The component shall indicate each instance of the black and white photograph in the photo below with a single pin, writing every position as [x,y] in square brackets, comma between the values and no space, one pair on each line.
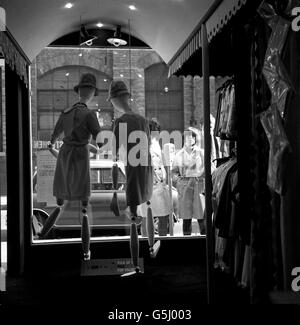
[149,158]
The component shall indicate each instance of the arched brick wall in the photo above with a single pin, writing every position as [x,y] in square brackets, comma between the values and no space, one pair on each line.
[50,59]
[149,59]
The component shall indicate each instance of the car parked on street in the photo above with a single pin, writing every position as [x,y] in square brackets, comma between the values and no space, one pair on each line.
[103,222]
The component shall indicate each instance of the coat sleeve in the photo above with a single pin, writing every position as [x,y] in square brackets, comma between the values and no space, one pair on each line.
[93,124]
[58,129]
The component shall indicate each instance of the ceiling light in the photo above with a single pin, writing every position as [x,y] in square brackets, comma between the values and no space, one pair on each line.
[85,37]
[166,89]
[67,74]
[80,54]
[121,75]
[69,5]
[105,80]
[117,40]
[132,7]
[140,75]
[99,25]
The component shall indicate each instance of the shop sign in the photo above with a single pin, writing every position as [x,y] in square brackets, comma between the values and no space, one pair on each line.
[42,145]
[45,174]
[109,267]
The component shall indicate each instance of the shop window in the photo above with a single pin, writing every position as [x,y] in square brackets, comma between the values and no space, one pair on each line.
[51,93]
[3,180]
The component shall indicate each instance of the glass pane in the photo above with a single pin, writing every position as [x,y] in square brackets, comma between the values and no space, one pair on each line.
[3,181]
[153,96]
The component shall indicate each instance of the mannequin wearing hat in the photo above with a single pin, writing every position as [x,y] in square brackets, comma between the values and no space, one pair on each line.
[78,125]
[188,175]
[139,177]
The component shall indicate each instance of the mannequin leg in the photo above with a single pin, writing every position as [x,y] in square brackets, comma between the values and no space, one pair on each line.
[52,219]
[187,227]
[153,248]
[134,239]
[163,225]
[85,232]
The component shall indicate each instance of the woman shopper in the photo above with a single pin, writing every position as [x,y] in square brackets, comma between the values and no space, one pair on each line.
[188,176]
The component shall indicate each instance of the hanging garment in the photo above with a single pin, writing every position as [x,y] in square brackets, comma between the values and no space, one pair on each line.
[226,120]
[72,173]
[226,204]
[138,166]
[274,70]
[279,144]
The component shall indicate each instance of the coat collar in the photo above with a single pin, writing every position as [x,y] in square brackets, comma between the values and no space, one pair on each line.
[77,105]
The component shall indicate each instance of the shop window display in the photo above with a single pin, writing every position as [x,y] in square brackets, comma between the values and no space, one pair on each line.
[54,93]
[3,181]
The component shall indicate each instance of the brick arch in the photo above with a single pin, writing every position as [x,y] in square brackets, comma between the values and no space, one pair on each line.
[148,60]
[90,69]
[61,58]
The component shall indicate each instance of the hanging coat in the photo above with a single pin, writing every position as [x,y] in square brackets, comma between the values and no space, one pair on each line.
[72,173]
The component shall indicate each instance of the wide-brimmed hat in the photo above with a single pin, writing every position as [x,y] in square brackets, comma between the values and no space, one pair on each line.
[87,79]
[116,89]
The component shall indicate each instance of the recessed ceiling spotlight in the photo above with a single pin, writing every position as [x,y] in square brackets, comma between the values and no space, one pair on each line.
[105,80]
[140,76]
[69,5]
[132,7]
[121,75]
[80,54]
[99,25]
[131,99]
[67,74]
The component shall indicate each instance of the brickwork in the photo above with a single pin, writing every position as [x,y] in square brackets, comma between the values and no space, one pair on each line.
[193,99]
[116,64]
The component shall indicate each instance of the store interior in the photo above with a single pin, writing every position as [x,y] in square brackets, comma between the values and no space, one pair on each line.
[229,75]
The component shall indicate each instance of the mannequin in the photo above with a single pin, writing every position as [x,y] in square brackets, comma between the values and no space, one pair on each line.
[72,173]
[139,175]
